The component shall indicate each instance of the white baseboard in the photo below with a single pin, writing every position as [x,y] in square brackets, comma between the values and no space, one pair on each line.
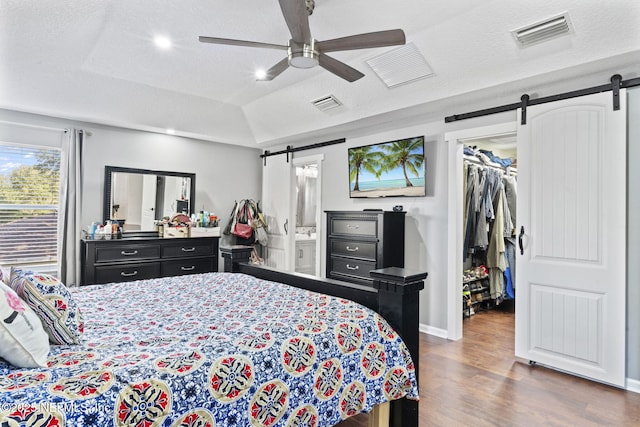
[430,330]
[633,385]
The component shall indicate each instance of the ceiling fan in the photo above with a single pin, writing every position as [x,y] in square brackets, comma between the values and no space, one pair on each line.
[303,51]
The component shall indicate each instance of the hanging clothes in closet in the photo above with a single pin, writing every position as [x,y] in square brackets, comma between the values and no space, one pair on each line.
[489,220]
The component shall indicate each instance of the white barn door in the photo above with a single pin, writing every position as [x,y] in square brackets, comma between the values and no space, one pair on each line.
[277,177]
[570,296]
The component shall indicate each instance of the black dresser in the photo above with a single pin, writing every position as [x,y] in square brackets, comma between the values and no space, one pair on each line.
[126,259]
[361,241]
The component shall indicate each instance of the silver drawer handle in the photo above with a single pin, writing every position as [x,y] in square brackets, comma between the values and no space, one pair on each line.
[193,267]
[123,274]
[352,249]
[352,268]
[129,253]
[188,249]
[353,226]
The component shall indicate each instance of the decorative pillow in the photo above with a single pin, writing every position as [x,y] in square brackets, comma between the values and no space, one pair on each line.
[15,279]
[52,302]
[23,341]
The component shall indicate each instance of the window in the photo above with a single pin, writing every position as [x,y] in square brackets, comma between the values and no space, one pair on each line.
[29,204]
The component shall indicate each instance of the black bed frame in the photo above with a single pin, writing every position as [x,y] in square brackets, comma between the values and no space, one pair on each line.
[394,296]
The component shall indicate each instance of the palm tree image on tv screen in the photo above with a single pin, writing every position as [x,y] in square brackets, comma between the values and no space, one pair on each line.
[388,169]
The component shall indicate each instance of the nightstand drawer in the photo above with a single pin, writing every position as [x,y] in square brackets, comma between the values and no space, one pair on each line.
[354,227]
[127,272]
[351,267]
[111,253]
[187,248]
[353,248]
[187,266]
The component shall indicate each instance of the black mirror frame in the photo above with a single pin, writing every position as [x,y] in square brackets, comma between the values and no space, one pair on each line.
[109,170]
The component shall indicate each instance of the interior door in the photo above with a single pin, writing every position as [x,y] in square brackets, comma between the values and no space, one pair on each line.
[277,177]
[570,302]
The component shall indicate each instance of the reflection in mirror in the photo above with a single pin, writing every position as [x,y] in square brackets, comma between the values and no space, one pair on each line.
[306,188]
[138,197]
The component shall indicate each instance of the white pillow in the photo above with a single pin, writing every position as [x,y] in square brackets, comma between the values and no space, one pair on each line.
[23,341]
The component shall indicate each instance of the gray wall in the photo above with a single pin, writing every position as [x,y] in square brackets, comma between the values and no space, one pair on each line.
[224,173]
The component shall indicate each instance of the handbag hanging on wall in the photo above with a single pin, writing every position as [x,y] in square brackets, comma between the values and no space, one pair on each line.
[243,228]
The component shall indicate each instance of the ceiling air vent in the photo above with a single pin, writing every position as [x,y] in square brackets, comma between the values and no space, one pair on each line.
[544,30]
[401,65]
[326,103]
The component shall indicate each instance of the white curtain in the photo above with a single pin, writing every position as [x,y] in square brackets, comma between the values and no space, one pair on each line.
[69,223]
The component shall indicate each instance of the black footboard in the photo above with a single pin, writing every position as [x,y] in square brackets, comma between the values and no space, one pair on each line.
[394,295]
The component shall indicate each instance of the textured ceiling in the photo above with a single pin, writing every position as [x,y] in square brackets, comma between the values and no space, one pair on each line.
[95,61]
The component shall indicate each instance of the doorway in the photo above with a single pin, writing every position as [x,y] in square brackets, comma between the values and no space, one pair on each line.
[455,267]
[489,225]
[307,200]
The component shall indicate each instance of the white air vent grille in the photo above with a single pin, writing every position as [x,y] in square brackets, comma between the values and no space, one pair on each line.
[326,103]
[401,65]
[544,30]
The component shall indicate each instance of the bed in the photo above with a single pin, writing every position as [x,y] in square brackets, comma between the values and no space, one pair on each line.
[215,349]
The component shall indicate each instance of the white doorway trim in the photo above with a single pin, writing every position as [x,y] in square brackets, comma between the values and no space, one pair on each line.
[316,159]
[455,206]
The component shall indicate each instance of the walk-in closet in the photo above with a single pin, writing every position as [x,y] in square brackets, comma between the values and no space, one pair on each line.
[489,225]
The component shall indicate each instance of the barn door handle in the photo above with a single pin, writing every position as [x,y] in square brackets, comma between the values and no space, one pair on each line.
[520,240]
[286,226]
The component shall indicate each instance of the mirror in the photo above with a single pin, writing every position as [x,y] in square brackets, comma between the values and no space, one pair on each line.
[138,197]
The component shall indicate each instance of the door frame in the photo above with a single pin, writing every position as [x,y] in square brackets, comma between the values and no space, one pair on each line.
[455,206]
[316,159]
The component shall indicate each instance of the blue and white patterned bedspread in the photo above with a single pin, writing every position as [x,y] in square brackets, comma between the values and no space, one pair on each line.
[215,349]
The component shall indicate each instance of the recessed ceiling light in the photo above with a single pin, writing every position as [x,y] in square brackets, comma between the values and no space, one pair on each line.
[162,42]
[261,74]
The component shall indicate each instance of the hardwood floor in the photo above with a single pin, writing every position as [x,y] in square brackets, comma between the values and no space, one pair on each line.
[476,381]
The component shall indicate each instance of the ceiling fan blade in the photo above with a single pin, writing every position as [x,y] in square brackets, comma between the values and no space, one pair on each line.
[233,42]
[276,70]
[338,68]
[297,18]
[363,41]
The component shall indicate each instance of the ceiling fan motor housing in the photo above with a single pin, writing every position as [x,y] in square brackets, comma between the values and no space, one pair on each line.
[302,55]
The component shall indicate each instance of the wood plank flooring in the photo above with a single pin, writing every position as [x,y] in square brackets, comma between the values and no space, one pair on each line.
[476,381]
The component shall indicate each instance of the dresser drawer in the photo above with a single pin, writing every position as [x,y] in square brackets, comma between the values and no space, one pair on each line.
[353,248]
[354,227]
[351,267]
[187,248]
[127,272]
[187,266]
[111,253]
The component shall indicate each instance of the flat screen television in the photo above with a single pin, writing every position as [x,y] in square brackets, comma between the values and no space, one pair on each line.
[388,169]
